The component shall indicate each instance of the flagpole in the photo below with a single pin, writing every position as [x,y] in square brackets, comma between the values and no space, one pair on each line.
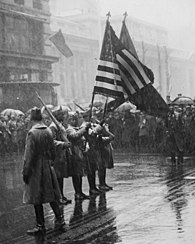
[125,16]
[92,100]
[105,108]
[112,56]
[108,22]
[93,94]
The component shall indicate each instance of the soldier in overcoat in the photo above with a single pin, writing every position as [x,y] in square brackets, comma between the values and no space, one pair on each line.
[92,152]
[99,154]
[78,161]
[106,151]
[41,184]
[175,134]
[61,162]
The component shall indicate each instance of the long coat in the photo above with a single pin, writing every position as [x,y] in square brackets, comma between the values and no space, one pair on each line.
[106,152]
[78,160]
[175,138]
[61,162]
[38,156]
[99,154]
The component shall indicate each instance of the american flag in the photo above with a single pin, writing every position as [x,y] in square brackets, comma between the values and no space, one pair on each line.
[108,79]
[138,78]
[119,71]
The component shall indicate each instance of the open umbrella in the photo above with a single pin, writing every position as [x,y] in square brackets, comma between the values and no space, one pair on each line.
[10,112]
[61,107]
[49,106]
[125,106]
[98,104]
[182,100]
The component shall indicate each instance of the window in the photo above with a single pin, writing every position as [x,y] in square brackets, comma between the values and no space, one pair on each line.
[21,2]
[37,4]
[23,35]
[16,34]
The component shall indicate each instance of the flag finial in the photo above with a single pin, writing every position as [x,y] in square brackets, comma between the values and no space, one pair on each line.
[125,15]
[108,15]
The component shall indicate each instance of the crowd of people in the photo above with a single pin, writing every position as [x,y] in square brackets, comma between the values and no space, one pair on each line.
[134,131]
[13,131]
[142,133]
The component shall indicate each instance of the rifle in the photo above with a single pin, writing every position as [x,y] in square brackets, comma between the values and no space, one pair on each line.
[59,126]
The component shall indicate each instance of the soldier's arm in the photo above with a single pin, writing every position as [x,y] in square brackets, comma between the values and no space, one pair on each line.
[73,134]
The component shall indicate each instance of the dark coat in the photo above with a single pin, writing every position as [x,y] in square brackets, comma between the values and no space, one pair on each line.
[93,153]
[61,162]
[175,136]
[106,152]
[99,154]
[39,153]
[78,160]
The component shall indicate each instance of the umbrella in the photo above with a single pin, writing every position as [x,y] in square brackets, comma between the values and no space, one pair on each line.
[125,106]
[98,104]
[61,107]
[182,100]
[49,106]
[10,112]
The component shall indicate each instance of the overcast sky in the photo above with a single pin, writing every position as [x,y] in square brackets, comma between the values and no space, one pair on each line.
[177,16]
[168,13]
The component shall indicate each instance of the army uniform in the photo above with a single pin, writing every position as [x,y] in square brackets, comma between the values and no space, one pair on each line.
[78,161]
[175,135]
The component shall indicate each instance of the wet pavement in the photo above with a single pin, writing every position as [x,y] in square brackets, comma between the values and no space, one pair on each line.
[153,201]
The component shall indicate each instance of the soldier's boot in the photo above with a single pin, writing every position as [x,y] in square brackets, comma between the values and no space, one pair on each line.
[64,200]
[77,183]
[93,191]
[59,216]
[40,227]
[173,157]
[180,157]
[102,181]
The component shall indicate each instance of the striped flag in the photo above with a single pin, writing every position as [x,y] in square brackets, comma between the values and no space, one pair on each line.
[108,78]
[132,72]
[138,78]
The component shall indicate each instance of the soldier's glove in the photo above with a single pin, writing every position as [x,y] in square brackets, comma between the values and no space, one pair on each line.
[66,145]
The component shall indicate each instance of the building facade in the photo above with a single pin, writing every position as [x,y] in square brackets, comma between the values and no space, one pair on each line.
[76,74]
[174,70]
[26,58]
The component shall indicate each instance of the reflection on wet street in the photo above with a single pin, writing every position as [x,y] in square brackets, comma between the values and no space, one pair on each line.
[153,201]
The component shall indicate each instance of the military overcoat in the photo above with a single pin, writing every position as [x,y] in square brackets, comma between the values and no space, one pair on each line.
[62,161]
[38,156]
[78,160]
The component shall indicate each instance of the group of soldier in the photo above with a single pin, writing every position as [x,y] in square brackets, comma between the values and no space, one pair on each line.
[51,154]
[180,128]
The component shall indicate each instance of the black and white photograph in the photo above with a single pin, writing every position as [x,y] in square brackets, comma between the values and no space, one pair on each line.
[97,121]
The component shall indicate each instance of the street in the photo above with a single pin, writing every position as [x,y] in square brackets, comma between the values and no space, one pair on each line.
[153,201]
